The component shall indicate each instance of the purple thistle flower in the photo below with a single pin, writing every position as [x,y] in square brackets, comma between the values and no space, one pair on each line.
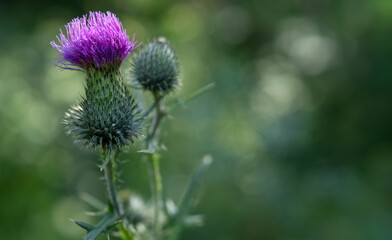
[95,41]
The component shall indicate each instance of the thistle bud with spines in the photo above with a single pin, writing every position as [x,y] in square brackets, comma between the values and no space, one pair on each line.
[155,67]
[107,115]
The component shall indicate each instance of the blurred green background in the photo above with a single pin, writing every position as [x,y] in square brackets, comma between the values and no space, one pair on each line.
[299,123]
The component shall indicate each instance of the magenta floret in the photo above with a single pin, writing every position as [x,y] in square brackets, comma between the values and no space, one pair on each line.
[95,41]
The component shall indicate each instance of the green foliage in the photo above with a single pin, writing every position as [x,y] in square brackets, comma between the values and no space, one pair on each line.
[298,123]
[104,226]
[181,219]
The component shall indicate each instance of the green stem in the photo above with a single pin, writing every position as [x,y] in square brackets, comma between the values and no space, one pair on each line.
[109,170]
[156,191]
[154,170]
[157,119]
[110,173]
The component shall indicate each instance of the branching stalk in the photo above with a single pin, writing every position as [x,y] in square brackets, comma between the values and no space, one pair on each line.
[157,118]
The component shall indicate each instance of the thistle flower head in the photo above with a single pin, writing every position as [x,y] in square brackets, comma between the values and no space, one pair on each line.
[95,41]
[155,67]
[106,116]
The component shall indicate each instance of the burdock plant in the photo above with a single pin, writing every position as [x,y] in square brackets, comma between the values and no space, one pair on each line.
[109,119]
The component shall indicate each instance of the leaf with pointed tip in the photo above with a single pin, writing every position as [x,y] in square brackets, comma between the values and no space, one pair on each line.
[190,192]
[92,201]
[197,93]
[85,226]
[104,226]
[180,218]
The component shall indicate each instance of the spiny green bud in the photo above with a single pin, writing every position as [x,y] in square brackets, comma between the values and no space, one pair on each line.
[106,114]
[155,67]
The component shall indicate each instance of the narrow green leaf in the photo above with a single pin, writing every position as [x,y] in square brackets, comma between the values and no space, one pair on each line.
[104,226]
[147,112]
[188,196]
[197,93]
[85,226]
[92,201]
[192,187]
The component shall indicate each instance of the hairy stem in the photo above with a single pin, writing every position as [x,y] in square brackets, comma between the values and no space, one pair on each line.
[110,173]
[110,177]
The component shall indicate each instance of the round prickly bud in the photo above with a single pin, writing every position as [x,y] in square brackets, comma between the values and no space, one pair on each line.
[155,67]
[106,116]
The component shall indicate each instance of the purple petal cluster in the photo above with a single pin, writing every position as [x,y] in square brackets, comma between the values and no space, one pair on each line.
[95,41]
